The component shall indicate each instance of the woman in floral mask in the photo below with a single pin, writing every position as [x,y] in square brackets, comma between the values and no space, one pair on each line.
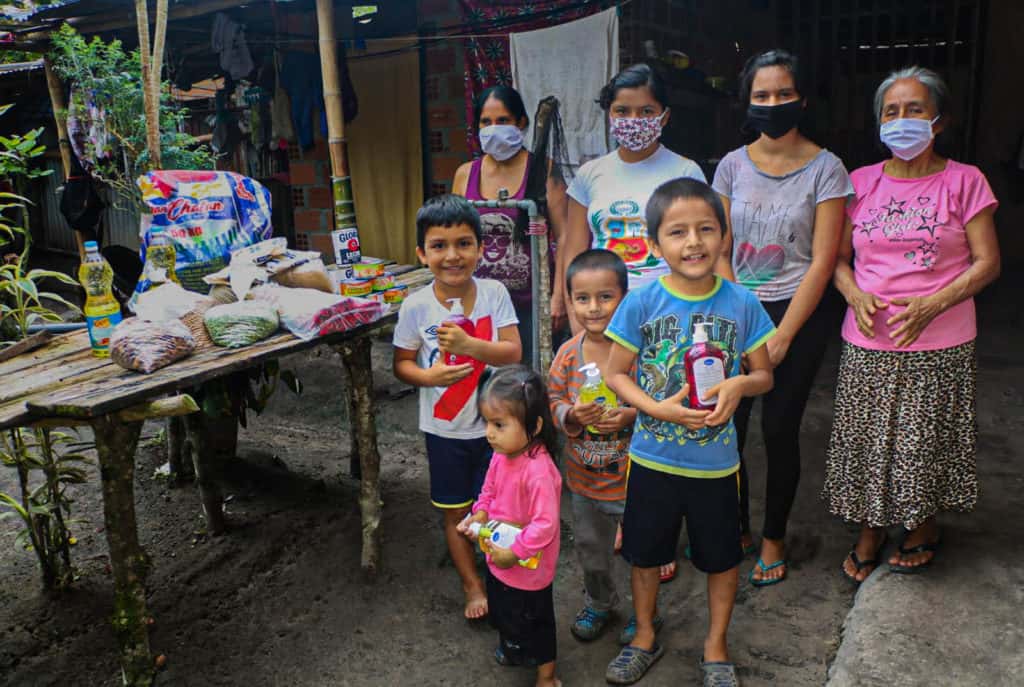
[784,196]
[608,197]
[501,120]
[922,239]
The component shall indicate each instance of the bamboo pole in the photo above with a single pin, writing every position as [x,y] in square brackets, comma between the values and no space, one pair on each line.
[156,69]
[341,181]
[60,117]
[146,58]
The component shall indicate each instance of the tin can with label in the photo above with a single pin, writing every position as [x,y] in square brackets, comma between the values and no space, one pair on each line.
[356,287]
[346,246]
[384,282]
[396,294]
[368,270]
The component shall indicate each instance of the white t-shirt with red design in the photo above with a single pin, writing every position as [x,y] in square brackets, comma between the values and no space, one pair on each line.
[418,319]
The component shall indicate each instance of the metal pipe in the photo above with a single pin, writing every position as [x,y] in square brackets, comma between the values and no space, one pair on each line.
[540,279]
[60,328]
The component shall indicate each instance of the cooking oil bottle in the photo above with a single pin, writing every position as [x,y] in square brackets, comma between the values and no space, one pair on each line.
[102,311]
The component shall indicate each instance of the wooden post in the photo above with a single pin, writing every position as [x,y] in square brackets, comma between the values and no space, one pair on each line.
[179,455]
[115,443]
[355,355]
[152,65]
[60,117]
[341,181]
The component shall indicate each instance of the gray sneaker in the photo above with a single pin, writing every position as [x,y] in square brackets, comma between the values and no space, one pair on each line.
[631,664]
[589,624]
[718,673]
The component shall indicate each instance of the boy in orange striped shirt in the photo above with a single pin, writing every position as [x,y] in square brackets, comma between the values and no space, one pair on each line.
[598,438]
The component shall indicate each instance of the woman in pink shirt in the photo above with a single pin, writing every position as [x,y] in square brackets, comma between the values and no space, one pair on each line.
[922,240]
[522,488]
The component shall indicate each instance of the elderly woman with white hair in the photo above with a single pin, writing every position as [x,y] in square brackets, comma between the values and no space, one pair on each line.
[922,240]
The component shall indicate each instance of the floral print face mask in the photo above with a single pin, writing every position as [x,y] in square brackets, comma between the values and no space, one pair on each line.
[636,133]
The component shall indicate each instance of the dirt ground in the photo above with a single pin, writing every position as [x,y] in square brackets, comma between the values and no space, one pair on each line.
[280,600]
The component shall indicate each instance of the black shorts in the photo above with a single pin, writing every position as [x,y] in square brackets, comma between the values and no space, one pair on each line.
[457,469]
[657,502]
[525,621]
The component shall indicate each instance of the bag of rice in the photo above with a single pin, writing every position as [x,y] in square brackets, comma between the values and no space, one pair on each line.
[240,324]
[145,346]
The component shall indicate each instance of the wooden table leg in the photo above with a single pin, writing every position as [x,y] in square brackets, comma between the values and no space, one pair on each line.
[206,463]
[179,456]
[116,441]
[355,355]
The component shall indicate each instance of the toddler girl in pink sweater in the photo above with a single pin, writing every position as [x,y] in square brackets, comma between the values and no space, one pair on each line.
[522,488]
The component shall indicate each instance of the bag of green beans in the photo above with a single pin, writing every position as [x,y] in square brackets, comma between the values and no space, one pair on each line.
[240,324]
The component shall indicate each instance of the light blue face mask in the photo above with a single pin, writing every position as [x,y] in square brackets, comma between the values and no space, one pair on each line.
[907,137]
[501,141]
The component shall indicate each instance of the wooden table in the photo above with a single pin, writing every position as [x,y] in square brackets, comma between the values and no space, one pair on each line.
[63,384]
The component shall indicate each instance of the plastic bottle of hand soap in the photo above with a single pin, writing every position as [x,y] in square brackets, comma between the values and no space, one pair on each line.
[594,390]
[502,534]
[457,317]
[705,367]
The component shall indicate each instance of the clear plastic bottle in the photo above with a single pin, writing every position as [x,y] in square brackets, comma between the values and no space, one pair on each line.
[705,368]
[594,390]
[102,311]
[161,256]
[502,534]
[457,317]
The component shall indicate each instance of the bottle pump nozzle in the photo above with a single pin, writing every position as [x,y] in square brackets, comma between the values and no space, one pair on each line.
[700,332]
[590,370]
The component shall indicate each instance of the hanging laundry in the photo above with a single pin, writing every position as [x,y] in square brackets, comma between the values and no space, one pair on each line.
[301,78]
[87,129]
[228,39]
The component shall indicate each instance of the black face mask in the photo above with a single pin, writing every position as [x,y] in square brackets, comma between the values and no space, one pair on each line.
[775,121]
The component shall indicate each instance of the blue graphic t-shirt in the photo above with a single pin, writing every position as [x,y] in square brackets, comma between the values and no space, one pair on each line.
[657,324]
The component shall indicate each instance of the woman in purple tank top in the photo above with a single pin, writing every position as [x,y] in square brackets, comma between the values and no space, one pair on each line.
[501,119]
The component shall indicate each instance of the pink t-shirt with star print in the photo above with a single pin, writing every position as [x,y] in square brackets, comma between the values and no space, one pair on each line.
[909,239]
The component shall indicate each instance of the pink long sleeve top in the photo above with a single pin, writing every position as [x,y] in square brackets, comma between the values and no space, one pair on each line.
[525,491]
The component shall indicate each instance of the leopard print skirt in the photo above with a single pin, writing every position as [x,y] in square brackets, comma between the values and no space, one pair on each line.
[904,434]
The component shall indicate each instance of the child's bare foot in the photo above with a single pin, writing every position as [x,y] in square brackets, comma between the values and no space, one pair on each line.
[476,604]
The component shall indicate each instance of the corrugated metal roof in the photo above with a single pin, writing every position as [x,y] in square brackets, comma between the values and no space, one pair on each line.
[16,67]
[24,11]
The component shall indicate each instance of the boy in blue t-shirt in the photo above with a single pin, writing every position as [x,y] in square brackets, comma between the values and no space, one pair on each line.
[684,462]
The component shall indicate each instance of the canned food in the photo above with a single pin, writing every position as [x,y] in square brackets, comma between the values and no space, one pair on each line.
[396,294]
[384,282]
[356,287]
[376,296]
[368,270]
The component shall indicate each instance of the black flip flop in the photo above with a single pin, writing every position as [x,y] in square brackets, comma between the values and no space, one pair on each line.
[932,547]
[859,565]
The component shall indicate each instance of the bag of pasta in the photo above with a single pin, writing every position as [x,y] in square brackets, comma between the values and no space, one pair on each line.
[146,346]
[240,324]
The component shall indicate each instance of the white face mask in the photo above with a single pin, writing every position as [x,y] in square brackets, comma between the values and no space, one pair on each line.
[907,137]
[501,141]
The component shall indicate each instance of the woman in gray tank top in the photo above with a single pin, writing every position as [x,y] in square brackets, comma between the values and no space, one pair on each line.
[784,196]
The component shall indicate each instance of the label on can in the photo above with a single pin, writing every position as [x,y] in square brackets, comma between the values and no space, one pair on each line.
[346,246]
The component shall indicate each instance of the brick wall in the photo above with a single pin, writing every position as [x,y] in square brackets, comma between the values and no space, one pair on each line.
[443,93]
[310,178]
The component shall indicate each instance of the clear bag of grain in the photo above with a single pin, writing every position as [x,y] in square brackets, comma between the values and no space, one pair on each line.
[240,324]
[146,346]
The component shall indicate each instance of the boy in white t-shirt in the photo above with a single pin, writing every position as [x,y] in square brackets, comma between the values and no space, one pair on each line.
[448,243]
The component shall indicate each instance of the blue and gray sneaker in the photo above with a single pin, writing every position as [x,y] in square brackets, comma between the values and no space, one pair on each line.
[589,623]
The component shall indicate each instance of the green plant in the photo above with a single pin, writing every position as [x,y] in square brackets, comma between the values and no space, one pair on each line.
[107,89]
[21,299]
[43,504]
